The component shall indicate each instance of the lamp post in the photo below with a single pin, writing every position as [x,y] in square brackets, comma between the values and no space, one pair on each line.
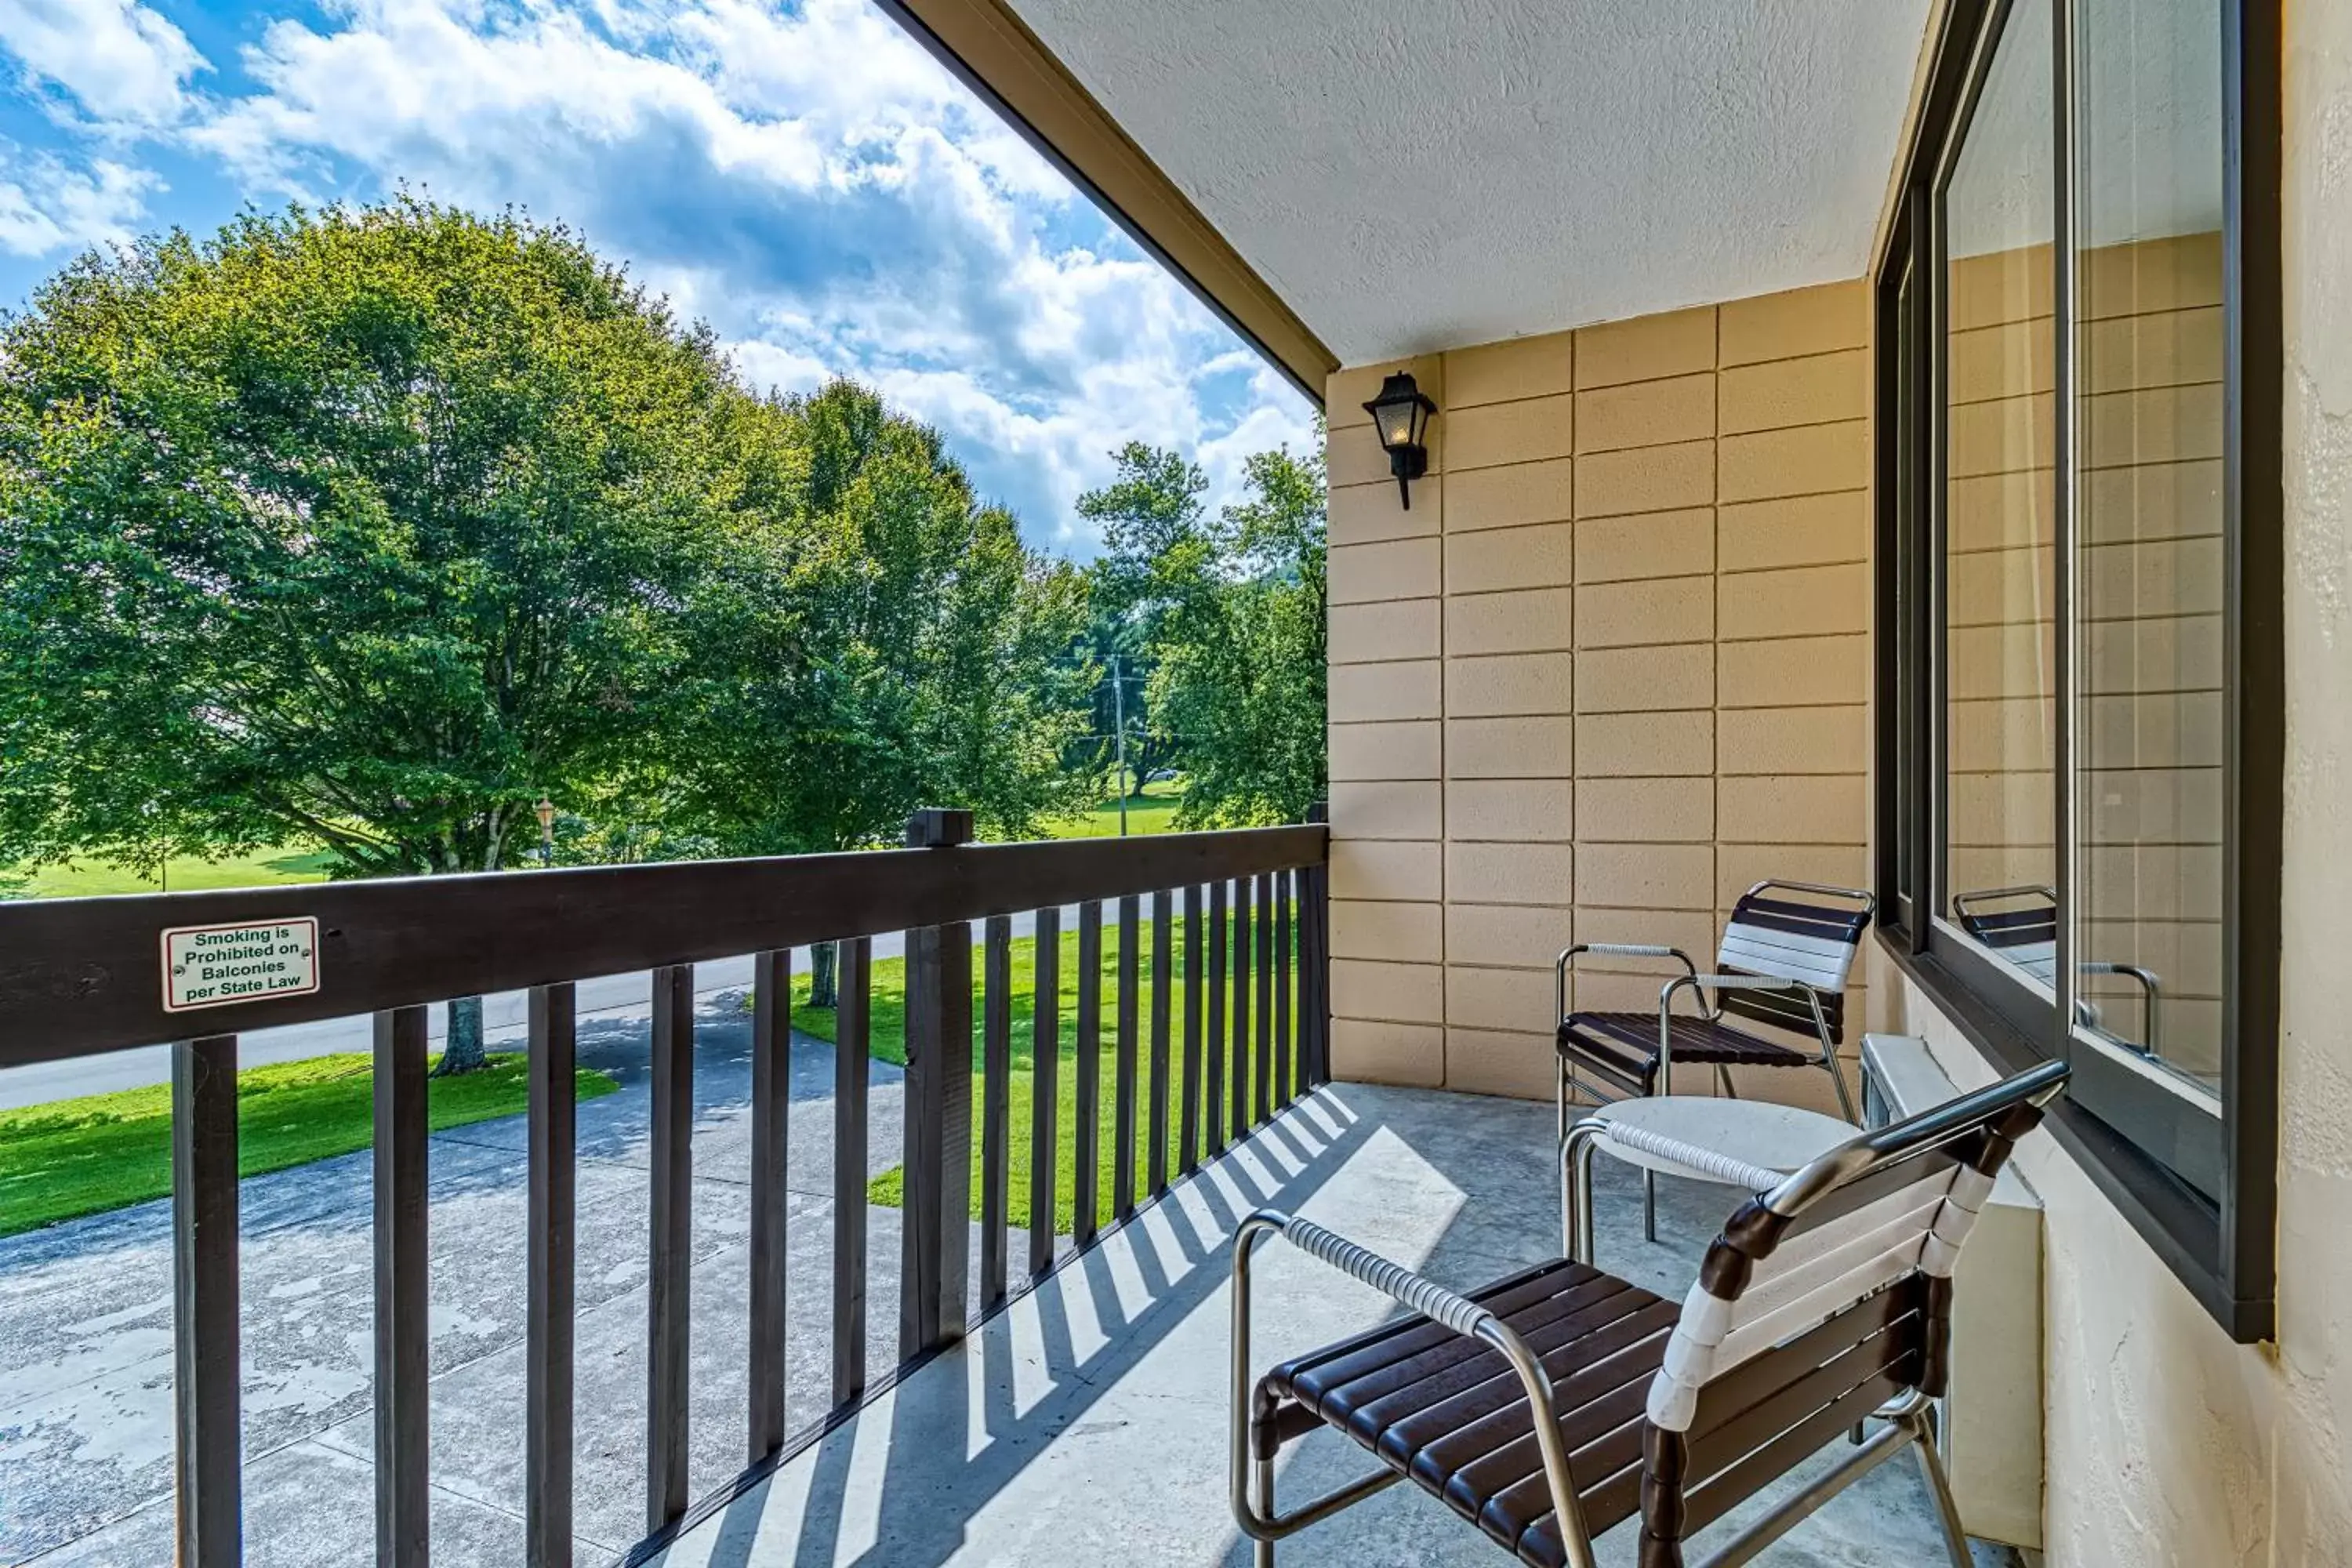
[1118,723]
[546,809]
[1401,415]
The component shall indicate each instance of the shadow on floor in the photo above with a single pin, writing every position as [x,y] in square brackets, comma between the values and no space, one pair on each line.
[1087,1423]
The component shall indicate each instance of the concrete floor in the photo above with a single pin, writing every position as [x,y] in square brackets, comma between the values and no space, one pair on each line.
[1087,1424]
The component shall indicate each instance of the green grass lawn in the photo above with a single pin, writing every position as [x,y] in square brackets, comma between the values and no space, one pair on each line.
[263,867]
[888,1042]
[1150,810]
[75,1157]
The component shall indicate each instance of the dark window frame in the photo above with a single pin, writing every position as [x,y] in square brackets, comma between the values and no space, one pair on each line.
[2209,1209]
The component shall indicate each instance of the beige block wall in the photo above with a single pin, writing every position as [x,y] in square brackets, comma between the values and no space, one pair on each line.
[1609,669]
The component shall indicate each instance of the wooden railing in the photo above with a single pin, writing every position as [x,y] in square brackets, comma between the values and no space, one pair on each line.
[82,977]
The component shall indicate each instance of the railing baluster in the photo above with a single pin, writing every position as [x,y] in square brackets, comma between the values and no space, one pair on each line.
[1157,1161]
[553,1137]
[1189,1111]
[1314,963]
[1285,1040]
[852,1043]
[1212,1093]
[1087,1152]
[1044,1082]
[1263,1080]
[772,1097]
[996,1108]
[669,1311]
[1239,1083]
[402,1393]
[206,1401]
[935,1236]
[1122,1175]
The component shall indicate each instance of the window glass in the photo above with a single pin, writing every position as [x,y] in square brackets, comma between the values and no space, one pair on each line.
[2001,645]
[2147,534]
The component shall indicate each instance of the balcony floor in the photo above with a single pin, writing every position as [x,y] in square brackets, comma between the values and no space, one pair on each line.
[1087,1424]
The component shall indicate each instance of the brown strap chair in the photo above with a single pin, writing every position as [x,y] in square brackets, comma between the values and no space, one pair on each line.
[1786,953]
[1552,1405]
[1787,950]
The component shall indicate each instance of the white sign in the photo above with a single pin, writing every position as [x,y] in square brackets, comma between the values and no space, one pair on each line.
[207,966]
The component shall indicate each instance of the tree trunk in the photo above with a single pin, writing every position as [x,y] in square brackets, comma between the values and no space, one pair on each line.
[824,969]
[464,1050]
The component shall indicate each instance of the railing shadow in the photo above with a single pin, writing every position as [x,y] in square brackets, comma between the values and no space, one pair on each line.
[925,1503]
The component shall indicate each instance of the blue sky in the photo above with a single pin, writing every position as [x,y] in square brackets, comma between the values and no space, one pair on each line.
[802,176]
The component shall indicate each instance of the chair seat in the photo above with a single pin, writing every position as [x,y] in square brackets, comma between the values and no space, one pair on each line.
[1448,1413]
[1624,1046]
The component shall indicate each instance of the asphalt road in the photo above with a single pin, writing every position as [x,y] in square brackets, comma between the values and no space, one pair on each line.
[503,1018]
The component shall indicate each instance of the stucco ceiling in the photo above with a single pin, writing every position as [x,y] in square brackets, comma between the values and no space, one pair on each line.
[1412,174]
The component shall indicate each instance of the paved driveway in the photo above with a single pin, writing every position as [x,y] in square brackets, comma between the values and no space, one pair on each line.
[86,1329]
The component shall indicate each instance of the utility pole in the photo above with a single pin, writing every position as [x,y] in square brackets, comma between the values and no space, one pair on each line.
[1118,723]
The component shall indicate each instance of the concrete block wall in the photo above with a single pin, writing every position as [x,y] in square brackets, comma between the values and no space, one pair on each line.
[1609,669]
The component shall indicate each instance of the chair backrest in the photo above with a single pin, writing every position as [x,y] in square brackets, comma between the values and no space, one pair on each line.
[2020,924]
[1829,1294]
[1794,931]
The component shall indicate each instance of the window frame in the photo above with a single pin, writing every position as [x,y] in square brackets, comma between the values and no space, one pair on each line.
[2209,1206]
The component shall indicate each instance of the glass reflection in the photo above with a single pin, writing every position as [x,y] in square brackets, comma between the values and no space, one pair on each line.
[2147,550]
[1999,497]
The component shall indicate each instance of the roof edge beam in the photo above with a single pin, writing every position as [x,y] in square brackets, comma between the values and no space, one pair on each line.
[994,52]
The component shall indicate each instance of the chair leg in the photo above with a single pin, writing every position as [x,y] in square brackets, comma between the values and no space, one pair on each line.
[1722,1082]
[1939,1486]
[1560,1096]
[1264,1556]
[1649,1206]
[1845,1101]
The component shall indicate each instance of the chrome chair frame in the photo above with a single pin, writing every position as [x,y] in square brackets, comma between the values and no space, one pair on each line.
[1703,987]
[1909,1417]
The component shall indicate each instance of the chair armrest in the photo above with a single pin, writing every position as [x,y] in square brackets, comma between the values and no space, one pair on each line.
[1567,961]
[1432,1301]
[1726,1168]
[1394,1281]
[2146,979]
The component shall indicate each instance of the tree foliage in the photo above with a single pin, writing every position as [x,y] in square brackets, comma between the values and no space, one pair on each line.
[360,528]
[1231,611]
[370,527]
[873,640]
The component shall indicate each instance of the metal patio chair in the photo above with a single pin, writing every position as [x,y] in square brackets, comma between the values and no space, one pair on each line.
[2019,925]
[1552,1405]
[1786,953]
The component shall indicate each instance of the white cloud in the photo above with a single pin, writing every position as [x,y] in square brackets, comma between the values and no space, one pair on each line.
[811,181]
[47,206]
[808,180]
[125,63]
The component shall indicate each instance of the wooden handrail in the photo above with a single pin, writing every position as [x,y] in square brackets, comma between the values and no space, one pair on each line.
[81,977]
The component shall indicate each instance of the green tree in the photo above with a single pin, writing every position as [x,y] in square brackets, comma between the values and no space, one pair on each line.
[873,640]
[1232,610]
[1152,520]
[360,528]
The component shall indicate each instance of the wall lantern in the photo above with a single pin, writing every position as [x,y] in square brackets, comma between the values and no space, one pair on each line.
[1400,414]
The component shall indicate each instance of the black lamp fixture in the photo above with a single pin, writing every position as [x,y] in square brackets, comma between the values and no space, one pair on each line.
[1400,414]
